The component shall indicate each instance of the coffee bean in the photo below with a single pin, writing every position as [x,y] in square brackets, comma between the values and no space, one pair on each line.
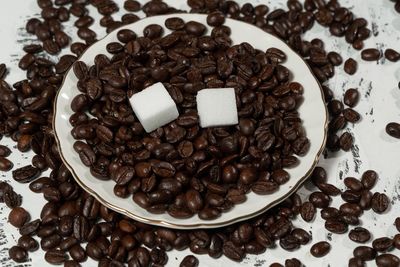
[351,97]
[336,226]
[25,174]
[328,189]
[379,202]
[353,184]
[319,200]
[132,5]
[289,243]
[189,261]
[359,235]
[293,263]
[368,179]
[350,66]
[392,55]
[4,151]
[397,223]
[232,252]
[382,244]
[387,260]
[71,263]
[5,164]
[18,254]
[28,243]
[30,228]
[370,54]
[356,262]
[215,19]
[55,256]
[364,253]
[307,211]
[12,199]
[335,58]
[351,115]
[18,217]
[393,129]
[320,249]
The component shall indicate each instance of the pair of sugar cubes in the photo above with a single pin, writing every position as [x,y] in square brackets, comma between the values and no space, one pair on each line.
[154,107]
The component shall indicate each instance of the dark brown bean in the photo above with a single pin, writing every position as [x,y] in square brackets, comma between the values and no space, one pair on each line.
[393,129]
[370,54]
[320,249]
[350,66]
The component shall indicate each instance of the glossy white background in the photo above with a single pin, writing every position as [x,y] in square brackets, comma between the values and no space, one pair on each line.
[380,103]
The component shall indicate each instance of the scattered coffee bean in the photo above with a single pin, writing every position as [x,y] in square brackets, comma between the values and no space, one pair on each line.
[359,235]
[393,129]
[351,97]
[189,261]
[350,66]
[320,249]
[364,253]
[387,260]
[18,254]
[392,55]
[18,217]
[379,202]
[370,54]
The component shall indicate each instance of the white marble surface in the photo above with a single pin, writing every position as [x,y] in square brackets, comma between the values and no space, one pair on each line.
[373,149]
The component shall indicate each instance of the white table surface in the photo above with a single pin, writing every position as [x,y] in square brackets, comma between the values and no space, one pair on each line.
[373,149]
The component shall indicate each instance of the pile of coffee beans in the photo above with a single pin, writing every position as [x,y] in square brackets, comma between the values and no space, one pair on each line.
[181,168]
[74,226]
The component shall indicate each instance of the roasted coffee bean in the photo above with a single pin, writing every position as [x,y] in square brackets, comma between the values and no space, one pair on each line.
[393,129]
[396,241]
[359,235]
[215,19]
[25,174]
[5,164]
[307,211]
[30,228]
[195,28]
[320,249]
[289,243]
[397,223]
[364,253]
[392,55]
[379,202]
[351,115]
[382,244]
[353,184]
[55,256]
[350,209]
[4,151]
[189,261]
[319,200]
[18,254]
[350,66]
[335,58]
[329,213]
[351,196]
[387,260]
[71,263]
[28,243]
[368,179]
[132,5]
[232,252]
[328,189]
[370,54]
[336,226]
[293,263]
[356,262]
[18,217]
[351,97]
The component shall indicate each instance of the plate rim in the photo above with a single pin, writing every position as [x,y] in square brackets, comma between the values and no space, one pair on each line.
[196,225]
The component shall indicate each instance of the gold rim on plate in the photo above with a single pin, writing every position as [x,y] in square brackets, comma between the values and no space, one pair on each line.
[197,225]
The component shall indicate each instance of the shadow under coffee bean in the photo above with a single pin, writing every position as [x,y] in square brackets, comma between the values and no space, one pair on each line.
[181,168]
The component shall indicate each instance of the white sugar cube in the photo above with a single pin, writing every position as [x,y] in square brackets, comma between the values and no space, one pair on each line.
[154,107]
[217,107]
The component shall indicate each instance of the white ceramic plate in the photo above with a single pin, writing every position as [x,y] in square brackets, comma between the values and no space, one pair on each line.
[313,113]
